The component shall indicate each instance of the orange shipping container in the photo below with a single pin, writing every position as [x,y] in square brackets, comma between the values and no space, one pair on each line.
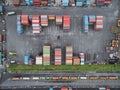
[25,20]
[64,88]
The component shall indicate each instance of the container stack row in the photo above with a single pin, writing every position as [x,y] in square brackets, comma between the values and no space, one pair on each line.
[58,20]
[46,55]
[96,21]
[39,60]
[44,20]
[69,55]
[76,60]
[99,23]
[66,22]
[58,56]
[36,24]
[19,26]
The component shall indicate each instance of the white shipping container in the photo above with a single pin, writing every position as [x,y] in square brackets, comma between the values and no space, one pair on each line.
[83,78]
[26,78]
[35,78]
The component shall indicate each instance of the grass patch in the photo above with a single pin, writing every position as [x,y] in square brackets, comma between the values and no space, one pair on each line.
[63,68]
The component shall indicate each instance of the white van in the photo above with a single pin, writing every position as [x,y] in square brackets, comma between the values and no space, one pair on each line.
[10,13]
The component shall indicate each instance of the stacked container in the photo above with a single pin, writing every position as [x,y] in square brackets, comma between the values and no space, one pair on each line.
[108,1]
[88,2]
[36,2]
[51,2]
[66,22]
[19,26]
[38,60]
[58,20]
[26,59]
[29,2]
[72,2]
[44,20]
[76,60]
[99,23]
[25,20]
[0,57]
[85,23]
[82,58]
[51,17]
[92,18]
[46,55]
[16,2]
[58,56]
[79,2]
[36,24]
[69,55]
[44,2]
[65,2]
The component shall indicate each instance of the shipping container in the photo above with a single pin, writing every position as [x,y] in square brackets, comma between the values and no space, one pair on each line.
[35,78]
[44,20]
[25,20]
[46,55]
[15,78]
[26,78]
[79,2]
[51,88]
[71,2]
[51,17]
[65,78]
[36,2]
[59,20]
[82,58]
[36,24]
[85,23]
[93,77]
[64,88]
[1,9]
[103,77]
[112,77]
[26,59]
[66,22]
[44,2]
[39,60]
[65,2]
[55,78]
[69,55]
[76,60]
[0,57]
[1,37]
[58,56]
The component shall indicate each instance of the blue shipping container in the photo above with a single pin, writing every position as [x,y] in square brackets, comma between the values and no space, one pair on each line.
[26,59]
[1,8]
[50,88]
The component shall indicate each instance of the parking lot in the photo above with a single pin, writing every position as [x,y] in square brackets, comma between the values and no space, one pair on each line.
[93,42]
